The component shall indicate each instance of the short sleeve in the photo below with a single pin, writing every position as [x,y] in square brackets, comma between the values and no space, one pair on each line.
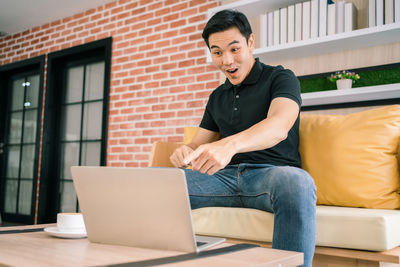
[286,84]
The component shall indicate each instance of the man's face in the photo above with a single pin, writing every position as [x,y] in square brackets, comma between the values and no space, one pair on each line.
[232,54]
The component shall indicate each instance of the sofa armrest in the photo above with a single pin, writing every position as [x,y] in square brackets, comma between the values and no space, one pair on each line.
[161,152]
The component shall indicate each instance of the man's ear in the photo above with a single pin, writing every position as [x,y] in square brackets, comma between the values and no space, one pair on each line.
[251,41]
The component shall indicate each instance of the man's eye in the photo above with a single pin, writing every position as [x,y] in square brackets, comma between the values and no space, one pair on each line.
[235,49]
[217,53]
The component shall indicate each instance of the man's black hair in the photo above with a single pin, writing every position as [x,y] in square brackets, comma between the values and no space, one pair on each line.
[224,20]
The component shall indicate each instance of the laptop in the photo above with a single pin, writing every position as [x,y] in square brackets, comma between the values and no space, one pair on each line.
[138,207]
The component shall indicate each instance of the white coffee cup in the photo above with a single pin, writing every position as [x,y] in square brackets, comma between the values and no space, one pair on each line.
[70,222]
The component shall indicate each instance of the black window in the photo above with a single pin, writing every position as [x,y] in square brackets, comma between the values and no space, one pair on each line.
[20,122]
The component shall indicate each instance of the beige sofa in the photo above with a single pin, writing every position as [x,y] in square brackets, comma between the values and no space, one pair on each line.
[358,206]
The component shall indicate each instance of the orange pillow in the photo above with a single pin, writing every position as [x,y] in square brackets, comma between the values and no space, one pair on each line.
[353,158]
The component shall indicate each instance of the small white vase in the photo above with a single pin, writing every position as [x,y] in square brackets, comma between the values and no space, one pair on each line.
[344,84]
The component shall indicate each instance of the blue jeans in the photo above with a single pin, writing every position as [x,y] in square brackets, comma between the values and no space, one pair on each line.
[288,192]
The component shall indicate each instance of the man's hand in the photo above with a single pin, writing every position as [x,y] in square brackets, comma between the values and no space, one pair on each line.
[179,154]
[210,158]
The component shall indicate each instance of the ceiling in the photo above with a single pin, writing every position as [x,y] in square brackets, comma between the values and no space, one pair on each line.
[20,15]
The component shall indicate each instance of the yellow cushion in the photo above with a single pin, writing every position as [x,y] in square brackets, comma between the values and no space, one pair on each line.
[189,133]
[353,158]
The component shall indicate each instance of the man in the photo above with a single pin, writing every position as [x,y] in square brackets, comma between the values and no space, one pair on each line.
[245,153]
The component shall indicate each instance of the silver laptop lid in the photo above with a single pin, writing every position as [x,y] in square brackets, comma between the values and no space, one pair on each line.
[140,207]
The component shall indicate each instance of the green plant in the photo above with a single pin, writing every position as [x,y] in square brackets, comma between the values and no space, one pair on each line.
[341,75]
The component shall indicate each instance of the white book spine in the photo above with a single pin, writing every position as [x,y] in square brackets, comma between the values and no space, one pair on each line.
[371,13]
[290,24]
[298,27]
[314,18]
[283,26]
[263,30]
[389,11]
[276,27]
[270,40]
[396,10]
[379,12]
[323,10]
[350,17]
[340,17]
[306,20]
[331,19]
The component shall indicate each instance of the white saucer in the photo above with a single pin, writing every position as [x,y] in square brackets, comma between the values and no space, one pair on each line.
[53,231]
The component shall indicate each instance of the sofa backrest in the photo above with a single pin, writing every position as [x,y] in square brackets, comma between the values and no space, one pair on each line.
[353,158]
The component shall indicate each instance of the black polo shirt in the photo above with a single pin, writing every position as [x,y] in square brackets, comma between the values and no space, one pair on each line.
[232,109]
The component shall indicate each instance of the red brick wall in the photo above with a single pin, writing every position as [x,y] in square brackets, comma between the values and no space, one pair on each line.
[160,80]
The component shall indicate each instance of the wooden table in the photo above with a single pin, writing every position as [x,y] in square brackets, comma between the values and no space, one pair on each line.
[40,249]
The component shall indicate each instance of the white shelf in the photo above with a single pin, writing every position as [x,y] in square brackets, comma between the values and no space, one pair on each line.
[362,38]
[379,92]
[380,35]
[253,8]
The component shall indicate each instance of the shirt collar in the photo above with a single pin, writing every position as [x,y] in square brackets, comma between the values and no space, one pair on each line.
[253,76]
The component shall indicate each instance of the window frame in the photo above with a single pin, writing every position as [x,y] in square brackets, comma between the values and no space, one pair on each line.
[49,198]
[8,72]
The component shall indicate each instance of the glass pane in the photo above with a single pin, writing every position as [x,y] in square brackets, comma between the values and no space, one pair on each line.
[69,157]
[71,122]
[91,154]
[94,81]
[68,197]
[10,204]
[15,128]
[74,84]
[32,92]
[13,162]
[18,94]
[30,126]
[25,197]
[92,120]
[27,162]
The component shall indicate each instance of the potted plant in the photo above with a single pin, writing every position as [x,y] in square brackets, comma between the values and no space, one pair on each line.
[344,79]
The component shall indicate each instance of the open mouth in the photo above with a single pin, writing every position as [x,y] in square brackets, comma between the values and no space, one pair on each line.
[232,71]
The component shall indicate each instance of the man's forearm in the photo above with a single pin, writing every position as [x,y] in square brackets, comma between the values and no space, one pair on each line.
[262,135]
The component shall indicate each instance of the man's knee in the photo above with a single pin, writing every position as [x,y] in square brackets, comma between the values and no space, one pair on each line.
[294,183]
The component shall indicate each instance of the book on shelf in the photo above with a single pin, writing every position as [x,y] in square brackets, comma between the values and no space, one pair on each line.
[314,18]
[270,36]
[380,12]
[371,13]
[306,20]
[389,11]
[263,30]
[350,17]
[323,10]
[396,10]
[340,16]
[331,19]
[276,27]
[298,18]
[283,25]
[291,25]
